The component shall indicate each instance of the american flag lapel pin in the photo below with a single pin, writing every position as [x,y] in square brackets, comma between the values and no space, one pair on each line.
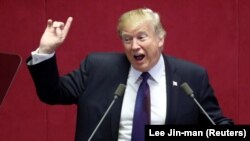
[175,83]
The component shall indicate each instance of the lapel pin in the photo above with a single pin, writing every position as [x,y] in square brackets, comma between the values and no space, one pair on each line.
[175,83]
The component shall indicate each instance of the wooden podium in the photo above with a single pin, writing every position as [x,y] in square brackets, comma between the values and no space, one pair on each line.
[9,64]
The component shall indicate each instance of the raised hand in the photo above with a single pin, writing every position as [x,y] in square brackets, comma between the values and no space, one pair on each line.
[54,35]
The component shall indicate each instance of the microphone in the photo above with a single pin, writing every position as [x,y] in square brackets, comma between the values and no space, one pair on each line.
[118,92]
[190,93]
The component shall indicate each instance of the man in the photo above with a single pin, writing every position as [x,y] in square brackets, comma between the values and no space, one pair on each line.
[91,87]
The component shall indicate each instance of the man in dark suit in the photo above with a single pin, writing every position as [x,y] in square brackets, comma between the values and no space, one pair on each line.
[91,87]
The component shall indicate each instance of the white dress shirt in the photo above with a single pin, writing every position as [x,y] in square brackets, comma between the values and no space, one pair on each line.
[158,97]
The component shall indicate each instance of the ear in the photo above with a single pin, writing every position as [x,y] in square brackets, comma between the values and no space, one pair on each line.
[161,41]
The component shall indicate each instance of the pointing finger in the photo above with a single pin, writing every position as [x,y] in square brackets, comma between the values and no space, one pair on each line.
[67,25]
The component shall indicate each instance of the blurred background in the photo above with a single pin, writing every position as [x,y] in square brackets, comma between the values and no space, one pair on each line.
[211,33]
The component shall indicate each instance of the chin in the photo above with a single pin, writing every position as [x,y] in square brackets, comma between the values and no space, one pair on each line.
[141,68]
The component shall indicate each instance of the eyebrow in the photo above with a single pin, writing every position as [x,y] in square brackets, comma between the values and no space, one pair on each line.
[138,33]
[142,33]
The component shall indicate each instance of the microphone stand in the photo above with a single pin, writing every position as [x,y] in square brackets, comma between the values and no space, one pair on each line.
[190,92]
[119,92]
[93,133]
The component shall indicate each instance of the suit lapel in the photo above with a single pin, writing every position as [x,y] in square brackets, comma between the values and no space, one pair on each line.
[173,81]
[122,77]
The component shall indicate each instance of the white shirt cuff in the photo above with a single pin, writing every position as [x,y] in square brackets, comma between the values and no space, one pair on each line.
[39,57]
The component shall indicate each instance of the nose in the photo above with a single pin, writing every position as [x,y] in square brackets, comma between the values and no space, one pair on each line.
[135,44]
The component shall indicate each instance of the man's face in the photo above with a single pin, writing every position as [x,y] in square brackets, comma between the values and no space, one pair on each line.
[142,46]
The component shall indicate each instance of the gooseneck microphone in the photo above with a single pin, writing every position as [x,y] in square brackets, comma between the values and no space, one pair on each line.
[119,92]
[190,93]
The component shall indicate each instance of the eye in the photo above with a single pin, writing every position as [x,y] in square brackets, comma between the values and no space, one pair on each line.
[127,39]
[142,37]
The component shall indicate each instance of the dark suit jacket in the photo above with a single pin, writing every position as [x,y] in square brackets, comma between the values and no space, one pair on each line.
[92,86]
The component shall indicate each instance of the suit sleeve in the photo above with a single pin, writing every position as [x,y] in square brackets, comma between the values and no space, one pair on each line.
[210,103]
[53,89]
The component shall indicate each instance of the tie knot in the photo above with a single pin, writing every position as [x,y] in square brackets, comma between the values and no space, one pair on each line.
[145,76]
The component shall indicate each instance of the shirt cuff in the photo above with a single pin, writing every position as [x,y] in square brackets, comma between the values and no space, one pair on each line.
[39,57]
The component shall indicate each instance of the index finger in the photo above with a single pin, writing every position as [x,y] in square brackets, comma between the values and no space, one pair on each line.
[67,26]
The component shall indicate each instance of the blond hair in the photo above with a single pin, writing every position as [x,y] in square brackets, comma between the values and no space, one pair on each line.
[135,17]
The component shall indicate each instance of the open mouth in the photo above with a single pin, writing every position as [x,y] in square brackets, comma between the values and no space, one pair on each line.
[139,57]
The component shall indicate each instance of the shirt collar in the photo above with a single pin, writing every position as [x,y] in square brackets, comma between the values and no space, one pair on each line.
[156,72]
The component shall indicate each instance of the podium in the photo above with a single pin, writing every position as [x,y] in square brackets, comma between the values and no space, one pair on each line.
[9,64]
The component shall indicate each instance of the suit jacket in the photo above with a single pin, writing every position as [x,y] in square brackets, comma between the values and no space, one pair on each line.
[92,86]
